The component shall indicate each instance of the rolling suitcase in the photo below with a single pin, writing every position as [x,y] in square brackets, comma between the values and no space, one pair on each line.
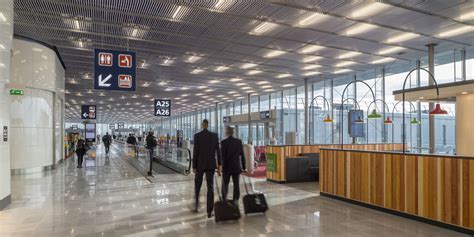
[225,210]
[255,202]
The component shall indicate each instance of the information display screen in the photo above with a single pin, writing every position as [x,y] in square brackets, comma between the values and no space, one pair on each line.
[90,132]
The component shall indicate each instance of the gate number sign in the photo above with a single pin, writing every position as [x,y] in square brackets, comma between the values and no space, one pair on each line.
[162,107]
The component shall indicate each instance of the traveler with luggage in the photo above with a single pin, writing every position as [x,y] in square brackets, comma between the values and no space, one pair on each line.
[233,163]
[151,144]
[132,140]
[107,140]
[81,150]
[205,152]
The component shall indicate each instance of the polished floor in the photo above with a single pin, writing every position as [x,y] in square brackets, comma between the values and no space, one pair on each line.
[109,197]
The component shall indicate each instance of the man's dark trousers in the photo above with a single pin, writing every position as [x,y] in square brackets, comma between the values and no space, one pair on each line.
[225,185]
[210,187]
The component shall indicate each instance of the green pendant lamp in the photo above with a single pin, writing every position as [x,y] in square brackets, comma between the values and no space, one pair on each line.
[374,115]
[415,121]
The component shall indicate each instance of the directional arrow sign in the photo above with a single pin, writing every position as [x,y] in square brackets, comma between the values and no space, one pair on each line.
[102,82]
[88,112]
[114,70]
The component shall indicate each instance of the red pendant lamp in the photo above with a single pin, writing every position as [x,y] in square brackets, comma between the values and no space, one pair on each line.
[388,121]
[438,110]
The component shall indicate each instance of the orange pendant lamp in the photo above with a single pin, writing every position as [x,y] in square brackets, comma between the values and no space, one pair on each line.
[388,121]
[328,119]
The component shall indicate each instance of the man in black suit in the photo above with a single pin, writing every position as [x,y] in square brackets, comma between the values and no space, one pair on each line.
[206,149]
[233,163]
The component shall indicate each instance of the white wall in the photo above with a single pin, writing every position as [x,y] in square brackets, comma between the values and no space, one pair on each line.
[464,125]
[33,115]
[6,34]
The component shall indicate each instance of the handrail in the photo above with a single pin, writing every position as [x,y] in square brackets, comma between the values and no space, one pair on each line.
[187,150]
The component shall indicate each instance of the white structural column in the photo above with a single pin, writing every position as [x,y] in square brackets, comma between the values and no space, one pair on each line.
[464,125]
[36,133]
[6,34]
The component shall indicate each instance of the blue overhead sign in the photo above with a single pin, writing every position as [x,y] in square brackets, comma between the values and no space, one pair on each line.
[114,70]
[88,112]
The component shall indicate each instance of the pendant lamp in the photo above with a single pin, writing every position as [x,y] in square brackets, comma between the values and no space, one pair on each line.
[328,119]
[374,115]
[388,121]
[359,120]
[415,121]
[438,110]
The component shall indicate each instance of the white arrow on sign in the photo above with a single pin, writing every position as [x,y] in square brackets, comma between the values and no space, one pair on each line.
[102,83]
[85,115]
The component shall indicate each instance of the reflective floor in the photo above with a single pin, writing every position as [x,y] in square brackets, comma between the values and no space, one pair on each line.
[111,198]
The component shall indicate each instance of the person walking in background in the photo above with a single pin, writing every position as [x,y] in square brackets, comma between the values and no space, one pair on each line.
[151,144]
[132,140]
[206,149]
[233,163]
[107,140]
[81,149]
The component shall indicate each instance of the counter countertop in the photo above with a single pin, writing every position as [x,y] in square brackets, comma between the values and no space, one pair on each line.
[401,153]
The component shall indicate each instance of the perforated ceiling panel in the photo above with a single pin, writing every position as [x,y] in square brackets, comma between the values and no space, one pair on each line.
[196,52]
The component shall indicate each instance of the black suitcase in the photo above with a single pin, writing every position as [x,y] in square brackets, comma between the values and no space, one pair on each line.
[255,202]
[225,210]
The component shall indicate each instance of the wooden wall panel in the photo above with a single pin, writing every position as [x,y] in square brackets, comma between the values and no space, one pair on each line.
[437,188]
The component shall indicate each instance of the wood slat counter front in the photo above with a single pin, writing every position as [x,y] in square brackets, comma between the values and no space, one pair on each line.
[438,189]
[284,151]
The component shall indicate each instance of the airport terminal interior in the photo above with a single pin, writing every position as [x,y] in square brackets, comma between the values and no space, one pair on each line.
[354,118]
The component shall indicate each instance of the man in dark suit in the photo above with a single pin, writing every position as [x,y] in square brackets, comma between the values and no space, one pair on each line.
[205,152]
[233,163]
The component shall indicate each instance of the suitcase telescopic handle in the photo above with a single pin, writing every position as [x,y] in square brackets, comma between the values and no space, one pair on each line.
[217,187]
[250,183]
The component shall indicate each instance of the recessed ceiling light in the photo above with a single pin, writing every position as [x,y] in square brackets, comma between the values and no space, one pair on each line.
[288,85]
[167,62]
[221,68]
[193,58]
[219,3]
[349,55]
[175,14]
[284,75]
[464,92]
[311,73]
[467,16]
[235,79]
[253,72]
[76,24]
[2,17]
[169,89]
[214,81]
[310,67]
[311,59]
[269,90]
[262,82]
[197,71]
[248,65]
[246,88]
[231,92]
[241,84]
[345,63]
[134,33]
[369,9]
[456,31]
[402,37]
[311,48]
[263,27]
[209,90]
[383,60]
[359,29]
[266,86]
[274,53]
[390,50]
[313,18]
[342,71]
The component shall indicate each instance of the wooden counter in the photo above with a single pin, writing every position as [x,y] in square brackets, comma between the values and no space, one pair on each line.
[438,189]
[283,151]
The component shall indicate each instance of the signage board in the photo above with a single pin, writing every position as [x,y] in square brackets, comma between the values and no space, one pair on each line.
[265,114]
[16,92]
[121,125]
[74,127]
[111,126]
[5,133]
[162,107]
[356,129]
[114,70]
[88,112]
[90,132]
[271,162]
[226,119]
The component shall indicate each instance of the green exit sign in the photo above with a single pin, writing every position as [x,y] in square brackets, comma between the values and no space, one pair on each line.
[16,92]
